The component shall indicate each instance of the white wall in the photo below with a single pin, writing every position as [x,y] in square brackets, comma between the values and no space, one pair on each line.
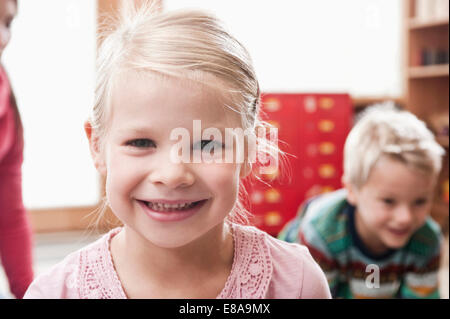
[51,62]
[317,45]
[297,46]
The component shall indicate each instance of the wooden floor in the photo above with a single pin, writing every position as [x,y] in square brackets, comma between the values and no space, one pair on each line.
[52,248]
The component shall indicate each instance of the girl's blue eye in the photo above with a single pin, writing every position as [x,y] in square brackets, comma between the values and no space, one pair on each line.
[141,143]
[208,145]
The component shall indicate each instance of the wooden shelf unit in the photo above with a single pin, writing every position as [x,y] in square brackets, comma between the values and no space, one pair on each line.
[426,86]
[428,71]
[415,24]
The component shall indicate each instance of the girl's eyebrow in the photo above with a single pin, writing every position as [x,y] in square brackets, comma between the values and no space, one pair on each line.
[147,130]
[135,130]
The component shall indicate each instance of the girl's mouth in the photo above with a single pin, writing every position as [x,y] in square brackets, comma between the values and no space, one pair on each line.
[163,207]
[171,211]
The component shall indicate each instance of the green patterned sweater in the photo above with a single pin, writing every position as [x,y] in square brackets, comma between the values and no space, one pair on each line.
[325,224]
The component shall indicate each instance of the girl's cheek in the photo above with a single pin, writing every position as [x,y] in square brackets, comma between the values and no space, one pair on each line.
[121,173]
[220,176]
[221,171]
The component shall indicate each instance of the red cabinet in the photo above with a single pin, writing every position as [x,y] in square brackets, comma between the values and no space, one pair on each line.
[312,128]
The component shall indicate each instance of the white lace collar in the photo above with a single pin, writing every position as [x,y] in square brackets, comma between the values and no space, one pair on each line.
[249,278]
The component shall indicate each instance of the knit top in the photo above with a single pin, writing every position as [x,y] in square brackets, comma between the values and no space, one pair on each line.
[326,225]
[263,267]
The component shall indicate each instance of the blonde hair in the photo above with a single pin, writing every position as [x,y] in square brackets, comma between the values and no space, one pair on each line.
[384,130]
[185,44]
[180,44]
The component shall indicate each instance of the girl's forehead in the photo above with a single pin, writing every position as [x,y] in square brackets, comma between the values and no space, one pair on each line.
[197,81]
[177,98]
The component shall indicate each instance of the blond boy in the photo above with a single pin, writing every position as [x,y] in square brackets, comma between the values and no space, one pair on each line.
[374,238]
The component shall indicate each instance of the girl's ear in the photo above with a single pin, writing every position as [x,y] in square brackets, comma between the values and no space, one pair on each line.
[96,154]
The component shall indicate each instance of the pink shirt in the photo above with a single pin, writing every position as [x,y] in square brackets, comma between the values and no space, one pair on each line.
[15,230]
[263,267]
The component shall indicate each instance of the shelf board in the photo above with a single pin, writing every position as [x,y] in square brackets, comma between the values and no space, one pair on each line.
[363,101]
[428,71]
[416,24]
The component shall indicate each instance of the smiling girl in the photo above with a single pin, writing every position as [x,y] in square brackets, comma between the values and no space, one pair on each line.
[159,72]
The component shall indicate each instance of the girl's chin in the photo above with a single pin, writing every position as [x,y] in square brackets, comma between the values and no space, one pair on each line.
[172,242]
[173,238]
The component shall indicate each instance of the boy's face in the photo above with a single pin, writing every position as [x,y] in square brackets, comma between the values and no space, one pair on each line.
[140,174]
[391,205]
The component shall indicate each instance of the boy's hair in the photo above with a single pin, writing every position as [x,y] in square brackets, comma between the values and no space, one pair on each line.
[384,130]
[185,44]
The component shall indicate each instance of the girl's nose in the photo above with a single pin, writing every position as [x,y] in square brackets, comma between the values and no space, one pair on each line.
[172,175]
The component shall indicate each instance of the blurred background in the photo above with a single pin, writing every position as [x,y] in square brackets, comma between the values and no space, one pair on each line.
[319,64]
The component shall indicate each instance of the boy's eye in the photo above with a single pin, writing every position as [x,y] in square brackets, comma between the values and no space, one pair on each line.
[420,201]
[388,201]
[141,143]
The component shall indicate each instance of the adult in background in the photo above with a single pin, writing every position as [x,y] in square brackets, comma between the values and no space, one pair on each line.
[15,231]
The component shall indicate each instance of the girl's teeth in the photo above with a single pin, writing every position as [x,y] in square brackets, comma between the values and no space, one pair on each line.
[168,207]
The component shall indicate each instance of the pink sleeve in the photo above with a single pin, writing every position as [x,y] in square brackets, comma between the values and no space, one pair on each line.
[15,230]
[59,282]
[315,284]
[295,273]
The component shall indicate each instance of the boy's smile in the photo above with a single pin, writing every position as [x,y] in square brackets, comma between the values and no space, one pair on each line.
[392,205]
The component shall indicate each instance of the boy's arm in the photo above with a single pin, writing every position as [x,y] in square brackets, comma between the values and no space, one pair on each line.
[422,282]
[290,232]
